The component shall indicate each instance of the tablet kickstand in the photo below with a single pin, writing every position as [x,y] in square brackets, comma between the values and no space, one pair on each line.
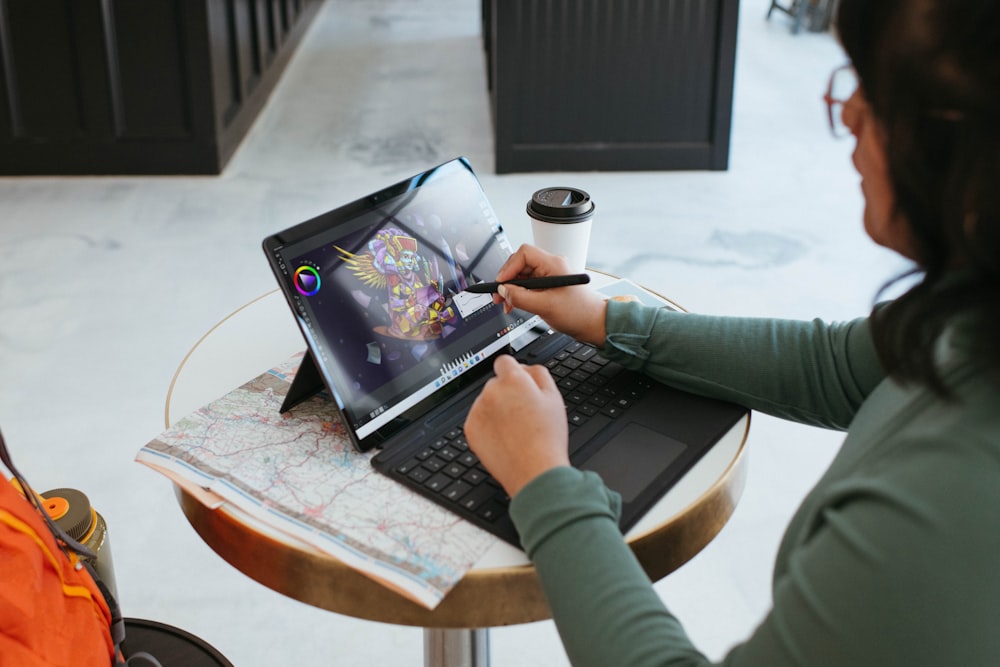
[306,383]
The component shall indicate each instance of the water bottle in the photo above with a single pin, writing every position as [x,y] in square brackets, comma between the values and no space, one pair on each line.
[72,511]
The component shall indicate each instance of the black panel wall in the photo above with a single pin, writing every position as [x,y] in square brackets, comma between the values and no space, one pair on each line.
[611,84]
[137,86]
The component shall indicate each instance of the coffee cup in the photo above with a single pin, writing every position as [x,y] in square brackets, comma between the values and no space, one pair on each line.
[560,223]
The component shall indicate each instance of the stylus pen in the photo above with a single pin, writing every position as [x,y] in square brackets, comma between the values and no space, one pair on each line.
[544,282]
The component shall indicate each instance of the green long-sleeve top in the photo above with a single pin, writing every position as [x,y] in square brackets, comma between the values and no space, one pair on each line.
[892,559]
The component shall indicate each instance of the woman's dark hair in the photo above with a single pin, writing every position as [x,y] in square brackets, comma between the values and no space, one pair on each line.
[930,70]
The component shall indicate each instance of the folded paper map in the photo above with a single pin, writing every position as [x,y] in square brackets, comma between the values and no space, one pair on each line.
[298,473]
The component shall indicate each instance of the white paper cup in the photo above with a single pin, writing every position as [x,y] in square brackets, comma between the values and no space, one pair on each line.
[561,220]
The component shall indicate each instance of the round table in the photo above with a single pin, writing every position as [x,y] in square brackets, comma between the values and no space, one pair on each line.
[502,589]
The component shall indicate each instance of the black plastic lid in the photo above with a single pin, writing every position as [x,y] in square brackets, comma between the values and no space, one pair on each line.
[560,205]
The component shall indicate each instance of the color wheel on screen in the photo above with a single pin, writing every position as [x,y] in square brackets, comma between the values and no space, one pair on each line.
[306,280]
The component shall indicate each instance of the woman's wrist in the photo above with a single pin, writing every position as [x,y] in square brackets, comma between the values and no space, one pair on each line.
[594,330]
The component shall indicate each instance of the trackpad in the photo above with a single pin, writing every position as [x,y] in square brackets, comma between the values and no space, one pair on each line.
[633,458]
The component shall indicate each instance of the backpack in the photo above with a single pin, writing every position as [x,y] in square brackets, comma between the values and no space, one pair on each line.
[51,611]
[54,610]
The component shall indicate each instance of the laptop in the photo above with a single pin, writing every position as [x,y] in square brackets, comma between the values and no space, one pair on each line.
[376,287]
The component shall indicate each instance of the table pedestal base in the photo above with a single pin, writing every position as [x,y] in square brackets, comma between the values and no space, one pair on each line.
[445,647]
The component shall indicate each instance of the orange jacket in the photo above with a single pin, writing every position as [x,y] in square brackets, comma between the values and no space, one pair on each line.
[51,613]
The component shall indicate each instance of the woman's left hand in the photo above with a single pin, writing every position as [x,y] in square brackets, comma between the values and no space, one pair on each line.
[517,425]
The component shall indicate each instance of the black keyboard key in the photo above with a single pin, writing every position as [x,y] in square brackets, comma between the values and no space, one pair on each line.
[455,470]
[419,475]
[434,464]
[408,466]
[476,497]
[613,411]
[567,383]
[597,380]
[456,490]
[476,477]
[438,482]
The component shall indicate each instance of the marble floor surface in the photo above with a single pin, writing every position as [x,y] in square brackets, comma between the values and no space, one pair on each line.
[106,283]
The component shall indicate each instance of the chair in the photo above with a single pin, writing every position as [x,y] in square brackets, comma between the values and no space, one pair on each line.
[172,646]
[814,14]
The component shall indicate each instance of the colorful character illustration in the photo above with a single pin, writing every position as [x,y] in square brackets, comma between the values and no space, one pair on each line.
[417,308]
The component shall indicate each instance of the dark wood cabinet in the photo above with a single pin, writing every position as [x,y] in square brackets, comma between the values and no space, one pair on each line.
[137,86]
[610,84]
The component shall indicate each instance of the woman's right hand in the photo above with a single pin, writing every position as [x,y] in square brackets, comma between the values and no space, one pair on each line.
[577,311]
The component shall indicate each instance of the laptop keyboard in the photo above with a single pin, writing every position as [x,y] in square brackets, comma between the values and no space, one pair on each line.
[593,387]
[595,391]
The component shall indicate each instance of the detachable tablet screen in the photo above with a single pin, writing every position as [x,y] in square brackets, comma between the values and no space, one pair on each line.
[377,288]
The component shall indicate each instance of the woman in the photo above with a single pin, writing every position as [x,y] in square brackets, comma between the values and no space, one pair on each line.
[892,558]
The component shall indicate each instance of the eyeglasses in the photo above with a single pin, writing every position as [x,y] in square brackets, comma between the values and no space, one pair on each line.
[843,84]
